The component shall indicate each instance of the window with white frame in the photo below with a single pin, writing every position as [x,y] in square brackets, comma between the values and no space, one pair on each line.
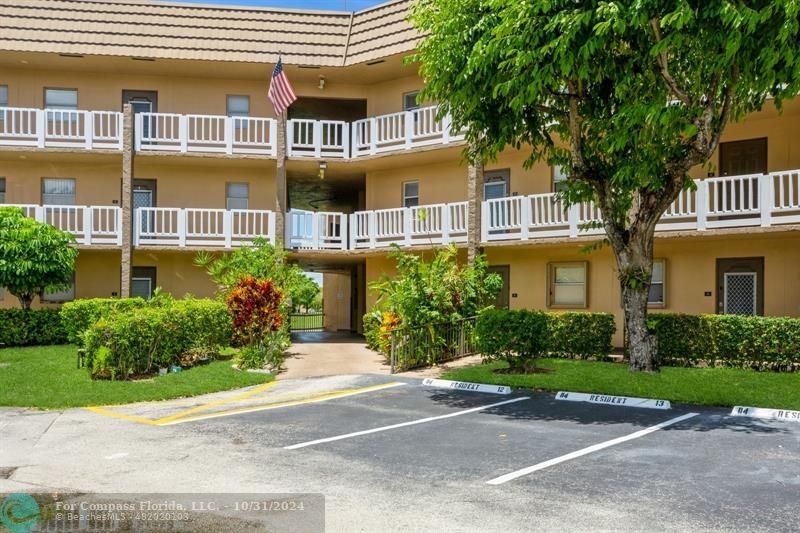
[657,295]
[567,284]
[410,101]
[559,179]
[61,98]
[2,190]
[410,194]
[58,191]
[3,95]
[237,196]
[60,296]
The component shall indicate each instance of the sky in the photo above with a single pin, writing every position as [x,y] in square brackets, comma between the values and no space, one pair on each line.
[340,5]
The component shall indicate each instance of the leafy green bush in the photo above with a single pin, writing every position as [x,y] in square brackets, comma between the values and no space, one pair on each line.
[760,343]
[259,323]
[372,329]
[19,327]
[518,337]
[78,315]
[580,335]
[141,340]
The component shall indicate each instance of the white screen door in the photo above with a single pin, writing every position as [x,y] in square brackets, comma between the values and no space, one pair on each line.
[740,293]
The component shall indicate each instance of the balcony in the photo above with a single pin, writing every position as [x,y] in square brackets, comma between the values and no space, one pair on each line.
[409,226]
[205,133]
[316,230]
[723,202]
[91,225]
[179,227]
[60,128]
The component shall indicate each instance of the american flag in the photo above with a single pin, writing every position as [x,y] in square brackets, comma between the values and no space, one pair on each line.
[280,91]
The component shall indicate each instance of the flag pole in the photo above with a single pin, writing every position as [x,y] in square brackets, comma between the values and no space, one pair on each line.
[280,180]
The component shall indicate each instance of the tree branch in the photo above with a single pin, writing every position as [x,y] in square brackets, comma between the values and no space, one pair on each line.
[663,63]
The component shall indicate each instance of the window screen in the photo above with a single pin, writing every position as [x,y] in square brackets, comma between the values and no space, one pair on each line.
[2,190]
[410,101]
[60,296]
[237,196]
[58,191]
[61,98]
[657,285]
[3,95]
[238,106]
[568,285]
[411,194]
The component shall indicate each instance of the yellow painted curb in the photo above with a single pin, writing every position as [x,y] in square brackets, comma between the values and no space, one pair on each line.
[223,401]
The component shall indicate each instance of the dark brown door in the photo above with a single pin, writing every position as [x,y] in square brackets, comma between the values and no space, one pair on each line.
[502,300]
[740,286]
[743,157]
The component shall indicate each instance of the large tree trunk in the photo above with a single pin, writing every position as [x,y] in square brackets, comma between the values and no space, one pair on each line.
[635,266]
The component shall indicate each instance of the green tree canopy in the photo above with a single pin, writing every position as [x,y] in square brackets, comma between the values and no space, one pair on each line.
[626,95]
[34,257]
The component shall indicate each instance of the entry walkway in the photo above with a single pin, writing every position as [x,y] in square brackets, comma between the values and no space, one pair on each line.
[327,354]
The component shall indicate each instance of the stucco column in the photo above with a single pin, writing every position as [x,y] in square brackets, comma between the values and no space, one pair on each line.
[475,181]
[126,201]
[280,181]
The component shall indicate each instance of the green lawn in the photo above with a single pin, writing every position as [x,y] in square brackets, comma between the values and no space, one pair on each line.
[46,377]
[706,386]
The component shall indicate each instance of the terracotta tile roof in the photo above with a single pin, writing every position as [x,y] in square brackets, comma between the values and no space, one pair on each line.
[154,29]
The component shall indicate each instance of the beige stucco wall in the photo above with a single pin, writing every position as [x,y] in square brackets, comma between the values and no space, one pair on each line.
[438,183]
[97,181]
[96,276]
[176,272]
[203,183]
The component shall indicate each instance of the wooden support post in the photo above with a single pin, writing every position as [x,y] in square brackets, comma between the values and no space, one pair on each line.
[475,180]
[126,201]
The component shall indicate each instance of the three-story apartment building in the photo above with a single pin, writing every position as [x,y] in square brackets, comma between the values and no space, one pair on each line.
[144,129]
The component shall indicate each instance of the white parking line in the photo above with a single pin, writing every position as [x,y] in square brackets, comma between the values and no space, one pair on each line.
[402,424]
[585,451]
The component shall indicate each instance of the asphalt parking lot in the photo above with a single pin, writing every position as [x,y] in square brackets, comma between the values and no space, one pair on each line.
[394,455]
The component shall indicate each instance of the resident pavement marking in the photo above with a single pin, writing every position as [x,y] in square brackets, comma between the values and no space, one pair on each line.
[264,407]
[402,424]
[585,451]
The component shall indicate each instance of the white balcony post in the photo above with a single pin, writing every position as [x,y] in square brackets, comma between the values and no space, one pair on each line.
[273,137]
[372,228]
[41,127]
[183,132]
[315,227]
[118,225]
[229,135]
[38,213]
[317,132]
[484,221]
[138,124]
[346,140]
[181,226]
[227,227]
[343,230]
[447,122]
[407,226]
[289,137]
[271,227]
[88,129]
[573,214]
[409,128]
[137,226]
[525,216]
[87,225]
[373,135]
[353,139]
[446,224]
[701,197]
[120,118]
[766,198]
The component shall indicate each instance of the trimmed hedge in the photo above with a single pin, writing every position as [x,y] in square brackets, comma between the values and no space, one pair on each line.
[521,335]
[77,316]
[756,342]
[141,341]
[31,328]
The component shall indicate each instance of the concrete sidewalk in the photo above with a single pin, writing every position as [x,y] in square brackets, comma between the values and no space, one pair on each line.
[315,354]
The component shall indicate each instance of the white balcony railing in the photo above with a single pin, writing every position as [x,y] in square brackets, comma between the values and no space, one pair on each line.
[401,131]
[205,133]
[318,138]
[409,226]
[316,230]
[726,201]
[61,128]
[90,224]
[173,226]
